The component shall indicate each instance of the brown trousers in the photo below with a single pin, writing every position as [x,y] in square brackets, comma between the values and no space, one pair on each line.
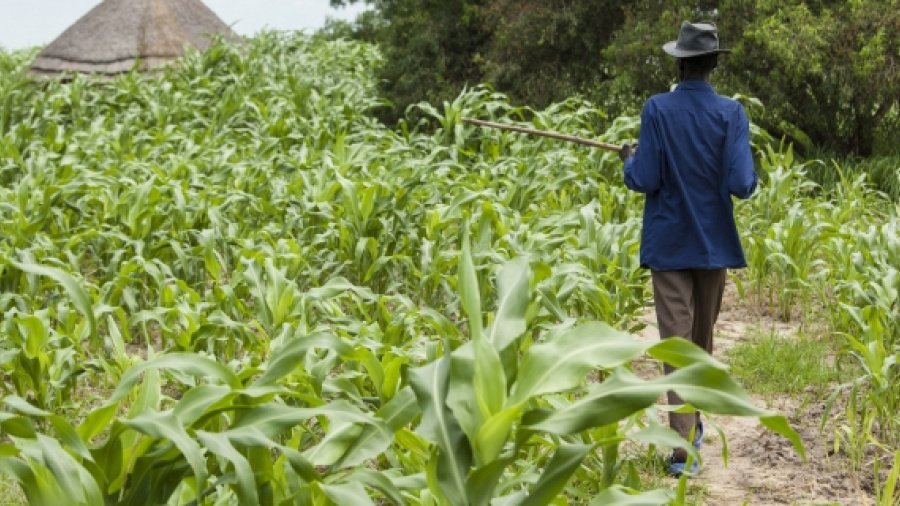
[687,305]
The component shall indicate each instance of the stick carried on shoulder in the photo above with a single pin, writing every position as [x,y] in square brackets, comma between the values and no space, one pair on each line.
[544,133]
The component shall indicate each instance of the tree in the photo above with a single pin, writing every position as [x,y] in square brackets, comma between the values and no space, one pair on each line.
[638,65]
[544,51]
[535,51]
[431,48]
[827,70]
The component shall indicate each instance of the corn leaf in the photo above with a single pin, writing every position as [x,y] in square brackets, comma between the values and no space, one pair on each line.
[347,493]
[557,473]
[620,497]
[490,377]
[162,425]
[562,363]
[513,294]
[244,476]
[375,438]
[290,356]
[73,288]
[184,363]
[453,455]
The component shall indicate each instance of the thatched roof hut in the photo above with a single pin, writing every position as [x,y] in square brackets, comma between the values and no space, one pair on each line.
[116,34]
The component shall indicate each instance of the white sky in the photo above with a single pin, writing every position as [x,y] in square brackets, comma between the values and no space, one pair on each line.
[27,23]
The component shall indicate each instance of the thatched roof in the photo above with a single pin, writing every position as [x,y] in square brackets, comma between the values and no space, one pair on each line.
[115,34]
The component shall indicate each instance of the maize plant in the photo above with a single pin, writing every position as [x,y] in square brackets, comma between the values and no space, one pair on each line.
[230,284]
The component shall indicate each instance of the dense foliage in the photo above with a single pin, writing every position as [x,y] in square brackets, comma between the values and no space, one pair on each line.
[229,284]
[828,71]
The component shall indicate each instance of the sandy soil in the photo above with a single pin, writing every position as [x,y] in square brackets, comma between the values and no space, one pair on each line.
[763,468]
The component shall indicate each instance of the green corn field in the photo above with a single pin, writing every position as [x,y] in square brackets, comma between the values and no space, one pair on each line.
[230,284]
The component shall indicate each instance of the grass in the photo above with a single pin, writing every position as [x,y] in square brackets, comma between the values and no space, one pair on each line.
[773,364]
[10,493]
[652,467]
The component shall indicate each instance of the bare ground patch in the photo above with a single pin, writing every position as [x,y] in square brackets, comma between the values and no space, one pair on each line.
[763,468]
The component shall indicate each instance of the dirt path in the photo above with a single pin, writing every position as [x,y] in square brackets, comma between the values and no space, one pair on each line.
[763,468]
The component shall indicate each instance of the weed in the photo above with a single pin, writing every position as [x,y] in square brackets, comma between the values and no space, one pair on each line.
[769,363]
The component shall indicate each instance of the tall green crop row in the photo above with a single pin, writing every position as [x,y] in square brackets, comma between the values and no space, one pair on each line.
[228,284]
[831,260]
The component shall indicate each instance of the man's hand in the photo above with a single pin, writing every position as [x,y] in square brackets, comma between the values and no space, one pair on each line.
[627,151]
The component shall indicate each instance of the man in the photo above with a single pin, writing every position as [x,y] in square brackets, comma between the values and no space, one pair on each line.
[694,155]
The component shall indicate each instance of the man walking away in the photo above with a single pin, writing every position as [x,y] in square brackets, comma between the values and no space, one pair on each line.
[694,156]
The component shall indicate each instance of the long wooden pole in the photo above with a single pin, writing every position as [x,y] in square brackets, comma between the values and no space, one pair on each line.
[544,133]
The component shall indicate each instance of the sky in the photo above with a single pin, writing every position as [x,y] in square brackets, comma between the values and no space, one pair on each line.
[29,23]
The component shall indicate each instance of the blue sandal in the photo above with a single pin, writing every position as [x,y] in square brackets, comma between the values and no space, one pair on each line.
[698,435]
[678,468]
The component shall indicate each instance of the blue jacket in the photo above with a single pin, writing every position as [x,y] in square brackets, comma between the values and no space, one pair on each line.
[693,155]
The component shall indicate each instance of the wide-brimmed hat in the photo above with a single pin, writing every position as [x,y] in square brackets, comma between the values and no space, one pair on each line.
[695,39]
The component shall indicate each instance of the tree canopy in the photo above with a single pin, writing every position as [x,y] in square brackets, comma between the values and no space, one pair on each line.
[827,71]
